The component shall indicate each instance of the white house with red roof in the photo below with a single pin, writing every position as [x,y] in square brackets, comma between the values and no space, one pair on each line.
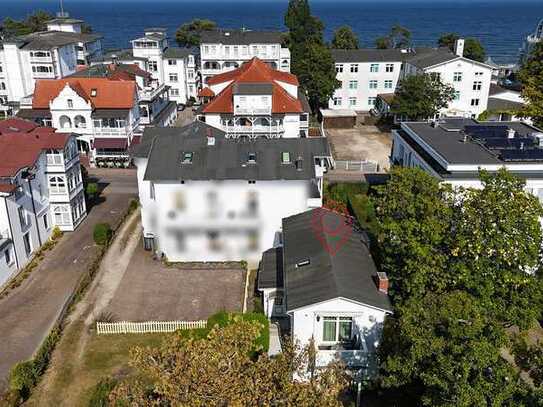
[40,187]
[255,101]
[103,112]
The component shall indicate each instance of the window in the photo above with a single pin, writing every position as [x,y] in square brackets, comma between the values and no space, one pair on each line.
[187,158]
[172,62]
[389,68]
[26,241]
[61,215]
[174,77]
[22,217]
[57,185]
[477,85]
[153,66]
[190,74]
[45,222]
[352,102]
[206,49]
[251,158]
[42,69]
[7,256]
[354,68]
[339,68]
[285,157]
[388,84]
[337,329]
[478,74]
[174,92]
[436,76]
[456,95]
[457,77]
[236,50]
[371,101]
[373,84]
[475,102]
[337,101]
[374,68]
[70,104]
[353,84]
[2,86]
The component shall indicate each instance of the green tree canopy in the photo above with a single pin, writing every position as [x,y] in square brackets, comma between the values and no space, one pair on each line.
[33,23]
[220,370]
[473,49]
[311,59]
[398,37]
[345,38]
[421,97]
[188,35]
[531,77]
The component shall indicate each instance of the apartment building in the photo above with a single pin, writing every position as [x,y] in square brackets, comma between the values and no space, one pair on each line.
[103,112]
[206,197]
[254,101]
[51,54]
[224,50]
[173,67]
[40,187]
[369,78]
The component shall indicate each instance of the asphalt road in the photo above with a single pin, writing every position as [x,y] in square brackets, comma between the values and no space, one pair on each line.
[29,311]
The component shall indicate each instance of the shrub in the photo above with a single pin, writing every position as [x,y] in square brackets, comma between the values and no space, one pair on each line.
[362,208]
[100,392]
[22,378]
[41,360]
[342,191]
[56,234]
[92,190]
[102,233]
[133,205]
[224,318]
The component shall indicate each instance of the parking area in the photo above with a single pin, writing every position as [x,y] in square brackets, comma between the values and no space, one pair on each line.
[153,291]
[361,143]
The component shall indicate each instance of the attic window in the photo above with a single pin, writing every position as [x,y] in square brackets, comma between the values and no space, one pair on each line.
[303,263]
[94,92]
[187,158]
[251,158]
[285,157]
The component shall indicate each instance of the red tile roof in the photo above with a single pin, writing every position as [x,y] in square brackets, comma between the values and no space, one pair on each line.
[206,92]
[255,71]
[7,188]
[16,125]
[110,94]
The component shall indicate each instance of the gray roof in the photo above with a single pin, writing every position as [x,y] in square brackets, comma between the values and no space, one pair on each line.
[120,54]
[427,59]
[252,88]
[346,270]
[53,39]
[270,271]
[368,55]
[243,37]
[65,21]
[5,243]
[497,104]
[178,53]
[227,159]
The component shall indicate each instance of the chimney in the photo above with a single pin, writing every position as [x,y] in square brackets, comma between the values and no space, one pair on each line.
[510,134]
[381,280]
[459,47]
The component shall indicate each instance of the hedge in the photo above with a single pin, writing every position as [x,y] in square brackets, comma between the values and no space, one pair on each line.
[102,233]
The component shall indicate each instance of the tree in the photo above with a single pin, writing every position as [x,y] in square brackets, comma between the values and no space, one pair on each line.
[312,60]
[448,349]
[531,77]
[345,38]
[188,35]
[218,370]
[398,37]
[33,23]
[421,97]
[473,49]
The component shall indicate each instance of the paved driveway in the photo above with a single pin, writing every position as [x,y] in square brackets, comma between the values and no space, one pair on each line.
[29,311]
[150,291]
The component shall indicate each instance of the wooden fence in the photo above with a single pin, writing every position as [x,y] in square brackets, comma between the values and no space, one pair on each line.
[125,327]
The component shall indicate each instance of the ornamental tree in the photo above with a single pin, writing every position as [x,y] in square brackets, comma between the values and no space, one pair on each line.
[220,369]
[398,37]
[421,97]
[531,77]
[33,23]
[188,35]
[345,38]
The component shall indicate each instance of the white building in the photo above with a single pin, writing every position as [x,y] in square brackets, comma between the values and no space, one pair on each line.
[208,198]
[40,187]
[170,66]
[51,54]
[504,105]
[454,150]
[103,112]
[370,78]
[324,280]
[224,50]
[530,42]
[254,101]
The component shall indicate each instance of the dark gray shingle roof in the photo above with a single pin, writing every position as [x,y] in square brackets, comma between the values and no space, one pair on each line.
[346,270]
[178,53]
[497,104]
[246,37]
[227,158]
[368,55]
[53,39]
[252,89]
[427,59]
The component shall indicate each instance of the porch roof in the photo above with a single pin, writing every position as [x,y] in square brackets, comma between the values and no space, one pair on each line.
[110,143]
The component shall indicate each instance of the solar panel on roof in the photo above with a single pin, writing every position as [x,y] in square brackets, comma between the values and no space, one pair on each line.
[535,154]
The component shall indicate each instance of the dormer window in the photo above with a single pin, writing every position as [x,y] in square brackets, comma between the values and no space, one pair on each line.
[187,158]
[70,104]
[94,92]
[285,157]
[251,158]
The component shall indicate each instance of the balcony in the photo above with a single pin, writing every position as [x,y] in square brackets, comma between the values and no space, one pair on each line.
[59,163]
[43,75]
[149,94]
[46,60]
[252,110]
[110,132]
[260,129]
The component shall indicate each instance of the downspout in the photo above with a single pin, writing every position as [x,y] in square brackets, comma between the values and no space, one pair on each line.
[34,209]
[11,233]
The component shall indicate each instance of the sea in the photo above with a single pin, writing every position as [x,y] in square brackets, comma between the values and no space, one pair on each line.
[500,25]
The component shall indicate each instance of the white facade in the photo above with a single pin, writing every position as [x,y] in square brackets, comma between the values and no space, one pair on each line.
[228,220]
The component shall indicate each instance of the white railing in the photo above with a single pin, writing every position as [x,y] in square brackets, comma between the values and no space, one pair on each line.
[110,131]
[360,166]
[43,74]
[149,94]
[254,129]
[252,111]
[48,59]
[125,327]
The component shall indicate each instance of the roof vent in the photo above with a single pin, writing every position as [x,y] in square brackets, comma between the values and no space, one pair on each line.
[510,133]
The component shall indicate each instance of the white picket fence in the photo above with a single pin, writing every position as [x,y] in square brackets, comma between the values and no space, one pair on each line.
[125,327]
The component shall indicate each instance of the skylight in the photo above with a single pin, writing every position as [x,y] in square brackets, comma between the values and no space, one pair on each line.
[251,158]
[302,263]
[187,157]
[94,92]
[285,157]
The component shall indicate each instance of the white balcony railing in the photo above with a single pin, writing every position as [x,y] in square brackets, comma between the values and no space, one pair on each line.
[48,59]
[150,93]
[43,74]
[110,131]
[254,129]
[252,110]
